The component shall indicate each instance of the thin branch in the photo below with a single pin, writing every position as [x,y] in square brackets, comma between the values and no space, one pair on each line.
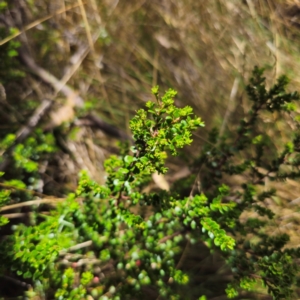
[22,215]
[17,282]
[58,85]
[76,247]
[164,239]
[73,98]
[94,121]
[32,192]
[32,202]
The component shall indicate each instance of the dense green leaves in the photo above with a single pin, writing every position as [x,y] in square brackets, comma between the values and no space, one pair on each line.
[96,244]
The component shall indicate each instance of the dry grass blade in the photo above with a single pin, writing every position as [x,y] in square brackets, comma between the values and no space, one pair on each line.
[37,22]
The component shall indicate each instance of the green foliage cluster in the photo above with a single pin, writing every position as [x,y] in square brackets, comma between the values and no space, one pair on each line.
[10,66]
[264,258]
[26,159]
[95,244]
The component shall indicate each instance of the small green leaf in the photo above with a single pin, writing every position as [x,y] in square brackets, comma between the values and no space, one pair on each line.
[129,159]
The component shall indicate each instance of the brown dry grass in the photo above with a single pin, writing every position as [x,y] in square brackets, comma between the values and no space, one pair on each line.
[203,49]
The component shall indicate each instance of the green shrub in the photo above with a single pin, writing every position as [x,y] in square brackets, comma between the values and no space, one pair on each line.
[96,244]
